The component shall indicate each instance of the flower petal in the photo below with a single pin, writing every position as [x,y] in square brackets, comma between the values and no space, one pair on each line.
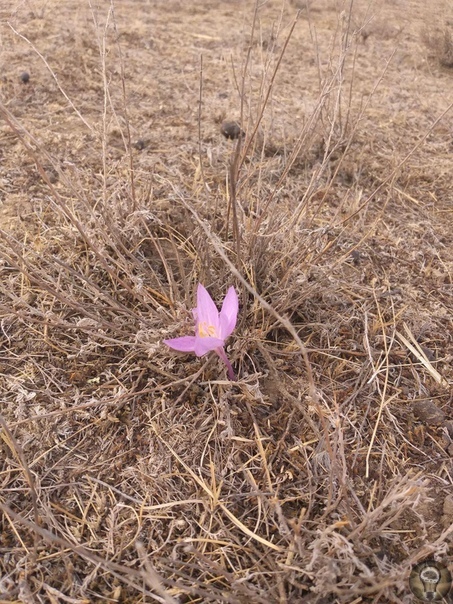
[229,313]
[204,345]
[184,344]
[206,311]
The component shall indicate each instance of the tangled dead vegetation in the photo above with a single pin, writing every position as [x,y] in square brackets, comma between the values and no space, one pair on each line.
[131,474]
[439,40]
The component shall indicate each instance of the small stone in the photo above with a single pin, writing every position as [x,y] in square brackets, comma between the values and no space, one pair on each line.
[429,354]
[428,413]
[356,257]
[231,130]
[140,144]
[180,524]
[25,77]
[53,176]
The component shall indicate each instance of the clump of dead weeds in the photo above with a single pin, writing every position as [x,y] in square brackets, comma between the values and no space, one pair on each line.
[439,40]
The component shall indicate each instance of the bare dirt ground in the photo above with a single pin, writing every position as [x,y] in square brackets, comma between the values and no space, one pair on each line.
[129,473]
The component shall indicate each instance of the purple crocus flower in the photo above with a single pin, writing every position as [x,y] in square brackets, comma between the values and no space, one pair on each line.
[211,327]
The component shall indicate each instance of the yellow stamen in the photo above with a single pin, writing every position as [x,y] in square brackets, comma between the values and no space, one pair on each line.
[206,331]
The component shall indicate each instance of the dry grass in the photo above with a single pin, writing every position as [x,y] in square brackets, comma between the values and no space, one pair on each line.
[439,40]
[131,474]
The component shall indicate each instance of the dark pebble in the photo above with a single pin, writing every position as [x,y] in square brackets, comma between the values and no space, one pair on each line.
[428,413]
[231,130]
[25,77]
[140,144]
[428,353]
[356,257]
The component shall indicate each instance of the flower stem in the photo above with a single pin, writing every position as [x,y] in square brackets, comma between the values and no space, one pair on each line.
[231,375]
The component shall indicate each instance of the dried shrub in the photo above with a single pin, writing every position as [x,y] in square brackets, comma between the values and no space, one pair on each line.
[439,40]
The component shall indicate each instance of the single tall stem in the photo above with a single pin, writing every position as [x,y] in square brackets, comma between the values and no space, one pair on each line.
[231,375]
